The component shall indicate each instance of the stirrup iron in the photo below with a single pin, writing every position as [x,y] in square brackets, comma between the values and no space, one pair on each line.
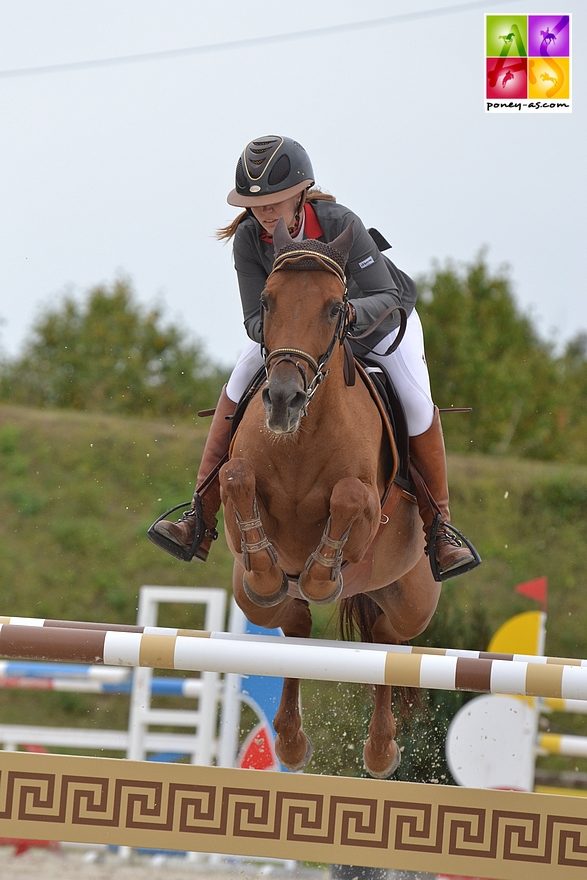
[176,550]
[430,550]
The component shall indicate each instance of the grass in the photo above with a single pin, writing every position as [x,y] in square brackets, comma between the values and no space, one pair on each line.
[78,491]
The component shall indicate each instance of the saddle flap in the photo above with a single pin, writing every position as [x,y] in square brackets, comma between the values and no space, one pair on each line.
[394,420]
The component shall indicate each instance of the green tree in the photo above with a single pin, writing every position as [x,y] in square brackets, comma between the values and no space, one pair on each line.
[107,353]
[572,414]
[485,354]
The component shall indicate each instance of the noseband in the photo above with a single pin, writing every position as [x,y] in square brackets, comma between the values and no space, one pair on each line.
[295,355]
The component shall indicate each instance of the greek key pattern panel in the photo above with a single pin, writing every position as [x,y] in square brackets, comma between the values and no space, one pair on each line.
[492,834]
[293,818]
[325,819]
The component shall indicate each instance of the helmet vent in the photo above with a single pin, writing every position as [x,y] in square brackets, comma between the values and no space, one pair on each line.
[270,142]
[241,178]
[280,171]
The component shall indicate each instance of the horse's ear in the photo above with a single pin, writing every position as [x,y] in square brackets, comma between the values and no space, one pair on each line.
[281,236]
[344,242]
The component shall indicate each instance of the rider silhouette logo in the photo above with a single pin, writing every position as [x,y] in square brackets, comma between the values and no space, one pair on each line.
[549,36]
[506,36]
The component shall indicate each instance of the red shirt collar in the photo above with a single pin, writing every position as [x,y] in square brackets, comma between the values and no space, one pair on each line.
[312,228]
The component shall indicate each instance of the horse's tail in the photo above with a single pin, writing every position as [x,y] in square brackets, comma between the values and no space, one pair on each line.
[357,615]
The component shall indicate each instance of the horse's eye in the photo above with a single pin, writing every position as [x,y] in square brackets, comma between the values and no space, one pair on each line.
[335,309]
[264,303]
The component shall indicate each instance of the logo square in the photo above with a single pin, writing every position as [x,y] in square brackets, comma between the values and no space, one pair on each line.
[549,35]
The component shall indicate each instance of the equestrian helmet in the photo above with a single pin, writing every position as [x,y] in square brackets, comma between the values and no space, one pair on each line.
[269,170]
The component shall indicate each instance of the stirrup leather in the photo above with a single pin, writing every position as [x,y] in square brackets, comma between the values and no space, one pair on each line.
[458,537]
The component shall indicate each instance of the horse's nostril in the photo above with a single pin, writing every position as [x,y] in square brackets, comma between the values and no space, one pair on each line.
[266,396]
[298,400]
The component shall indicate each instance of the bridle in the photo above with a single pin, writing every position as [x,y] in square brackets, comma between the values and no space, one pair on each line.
[296,355]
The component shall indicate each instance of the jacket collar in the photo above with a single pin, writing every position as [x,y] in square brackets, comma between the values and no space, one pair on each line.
[312,228]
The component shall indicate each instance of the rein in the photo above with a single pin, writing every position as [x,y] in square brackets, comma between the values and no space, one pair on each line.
[403,320]
[295,355]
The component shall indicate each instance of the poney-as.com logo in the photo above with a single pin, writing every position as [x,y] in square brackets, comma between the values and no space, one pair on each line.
[528,63]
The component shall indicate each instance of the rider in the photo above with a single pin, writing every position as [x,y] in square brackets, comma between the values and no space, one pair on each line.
[274,179]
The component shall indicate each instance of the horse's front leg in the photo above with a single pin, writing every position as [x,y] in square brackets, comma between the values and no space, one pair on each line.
[264,582]
[292,746]
[353,522]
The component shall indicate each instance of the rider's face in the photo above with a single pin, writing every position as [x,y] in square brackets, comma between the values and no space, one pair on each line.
[268,215]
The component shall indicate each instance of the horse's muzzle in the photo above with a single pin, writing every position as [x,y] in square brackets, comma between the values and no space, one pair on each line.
[284,408]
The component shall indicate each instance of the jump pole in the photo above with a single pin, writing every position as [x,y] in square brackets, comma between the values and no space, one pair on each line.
[413,826]
[277,657]
[327,643]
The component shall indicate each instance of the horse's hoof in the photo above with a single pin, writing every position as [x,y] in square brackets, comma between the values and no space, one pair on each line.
[295,768]
[270,600]
[387,771]
[325,600]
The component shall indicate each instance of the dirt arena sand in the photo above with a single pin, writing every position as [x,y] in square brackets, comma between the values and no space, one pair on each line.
[67,864]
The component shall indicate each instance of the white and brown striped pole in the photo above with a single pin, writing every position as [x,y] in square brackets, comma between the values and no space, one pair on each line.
[197,651]
[327,643]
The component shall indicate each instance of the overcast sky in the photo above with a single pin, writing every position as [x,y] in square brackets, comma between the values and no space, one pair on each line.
[123,168]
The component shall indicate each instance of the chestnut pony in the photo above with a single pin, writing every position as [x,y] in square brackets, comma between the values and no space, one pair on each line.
[302,489]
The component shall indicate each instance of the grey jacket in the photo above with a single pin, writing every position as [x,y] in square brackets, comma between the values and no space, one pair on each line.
[374,282]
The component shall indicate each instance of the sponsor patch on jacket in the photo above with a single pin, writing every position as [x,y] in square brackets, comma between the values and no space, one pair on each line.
[368,261]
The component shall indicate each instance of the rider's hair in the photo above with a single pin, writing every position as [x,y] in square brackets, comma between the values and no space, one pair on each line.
[227,232]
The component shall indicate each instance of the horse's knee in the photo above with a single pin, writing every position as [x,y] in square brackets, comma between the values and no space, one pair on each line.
[237,480]
[353,504]
[350,496]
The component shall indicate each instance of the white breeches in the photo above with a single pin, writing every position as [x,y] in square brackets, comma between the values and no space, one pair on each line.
[248,363]
[406,368]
